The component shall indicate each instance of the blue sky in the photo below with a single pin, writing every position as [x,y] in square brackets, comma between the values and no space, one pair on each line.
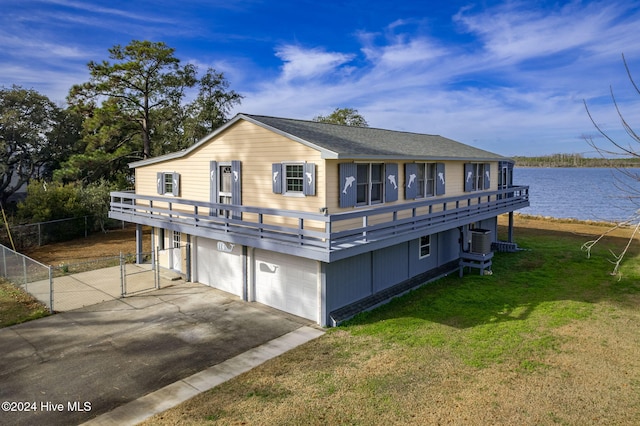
[506,76]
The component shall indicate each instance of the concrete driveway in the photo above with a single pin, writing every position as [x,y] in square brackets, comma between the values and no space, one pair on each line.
[74,366]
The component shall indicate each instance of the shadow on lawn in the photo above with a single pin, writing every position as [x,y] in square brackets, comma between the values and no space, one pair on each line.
[551,275]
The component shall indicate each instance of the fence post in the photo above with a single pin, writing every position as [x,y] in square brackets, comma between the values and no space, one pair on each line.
[50,289]
[39,235]
[24,268]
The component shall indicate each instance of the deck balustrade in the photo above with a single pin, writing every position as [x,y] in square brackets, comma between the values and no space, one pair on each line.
[321,236]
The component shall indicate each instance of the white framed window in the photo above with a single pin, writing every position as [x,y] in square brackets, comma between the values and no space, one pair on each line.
[424,246]
[370,183]
[169,183]
[225,185]
[426,180]
[294,179]
[477,176]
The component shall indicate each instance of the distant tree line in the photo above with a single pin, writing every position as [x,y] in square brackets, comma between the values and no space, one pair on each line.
[575,160]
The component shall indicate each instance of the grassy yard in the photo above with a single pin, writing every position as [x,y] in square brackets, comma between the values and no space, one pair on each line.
[16,306]
[549,338]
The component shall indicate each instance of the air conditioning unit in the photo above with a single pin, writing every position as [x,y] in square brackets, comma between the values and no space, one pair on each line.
[480,241]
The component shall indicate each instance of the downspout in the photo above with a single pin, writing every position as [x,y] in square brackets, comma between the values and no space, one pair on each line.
[461,240]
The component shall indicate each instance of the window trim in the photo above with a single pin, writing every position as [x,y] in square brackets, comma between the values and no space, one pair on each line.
[176,239]
[285,179]
[169,184]
[427,182]
[480,176]
[370,184]
[279,179]
[421,245]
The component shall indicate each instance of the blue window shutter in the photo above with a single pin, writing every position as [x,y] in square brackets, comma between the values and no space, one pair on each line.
[236,187]
[391,182]
[213,186]
[176,184]
[160,183]
[309,179]
[276,178]
[487,175]
[468,177]
[410,181]
[440,179]
[348,184]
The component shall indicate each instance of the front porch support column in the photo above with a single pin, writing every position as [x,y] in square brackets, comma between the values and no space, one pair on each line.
[139,254]
[510,237]
[188,248]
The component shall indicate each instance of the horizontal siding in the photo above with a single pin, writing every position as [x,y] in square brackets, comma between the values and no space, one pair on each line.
[257,149]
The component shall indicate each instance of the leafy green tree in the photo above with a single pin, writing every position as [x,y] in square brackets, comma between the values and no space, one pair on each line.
[343,116]
[144,77]
[211,107]
[107,146]
[95,198]
[50,201]
[27,123]
[133,108]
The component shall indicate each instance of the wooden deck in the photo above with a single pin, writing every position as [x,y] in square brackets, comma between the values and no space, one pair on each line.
[325,237]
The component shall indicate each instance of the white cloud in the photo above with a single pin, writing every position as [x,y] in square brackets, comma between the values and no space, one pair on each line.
[300,63]
[516,32]
[26,46]
[512,84]
[101,10]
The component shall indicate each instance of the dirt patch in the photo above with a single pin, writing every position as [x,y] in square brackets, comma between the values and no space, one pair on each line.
[101,244]
[584,228]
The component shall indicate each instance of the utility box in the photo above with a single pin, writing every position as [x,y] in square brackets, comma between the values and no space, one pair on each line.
[480,241]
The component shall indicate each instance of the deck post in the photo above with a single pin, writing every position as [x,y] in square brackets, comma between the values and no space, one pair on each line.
[139,254]
[510,236]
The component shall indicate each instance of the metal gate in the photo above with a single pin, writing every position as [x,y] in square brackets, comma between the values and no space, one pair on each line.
[72,286]
[139,273]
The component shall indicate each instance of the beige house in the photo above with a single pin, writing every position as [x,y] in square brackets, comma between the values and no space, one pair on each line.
[317,219]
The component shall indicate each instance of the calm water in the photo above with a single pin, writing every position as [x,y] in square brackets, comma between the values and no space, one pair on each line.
[585,194]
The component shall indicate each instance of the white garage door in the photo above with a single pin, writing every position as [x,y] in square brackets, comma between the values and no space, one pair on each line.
[288,283]
[219,265]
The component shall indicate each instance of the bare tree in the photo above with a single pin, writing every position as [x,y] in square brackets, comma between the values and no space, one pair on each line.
[618,149]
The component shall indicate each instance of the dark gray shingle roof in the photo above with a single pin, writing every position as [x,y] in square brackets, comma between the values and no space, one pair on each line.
[345,142]
[365,142]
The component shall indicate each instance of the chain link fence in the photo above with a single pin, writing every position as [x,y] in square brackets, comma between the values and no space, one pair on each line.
[71,286]
[28,274]
[41,233]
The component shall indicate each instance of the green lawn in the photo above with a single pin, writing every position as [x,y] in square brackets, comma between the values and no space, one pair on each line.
[550,338]
[16,306]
